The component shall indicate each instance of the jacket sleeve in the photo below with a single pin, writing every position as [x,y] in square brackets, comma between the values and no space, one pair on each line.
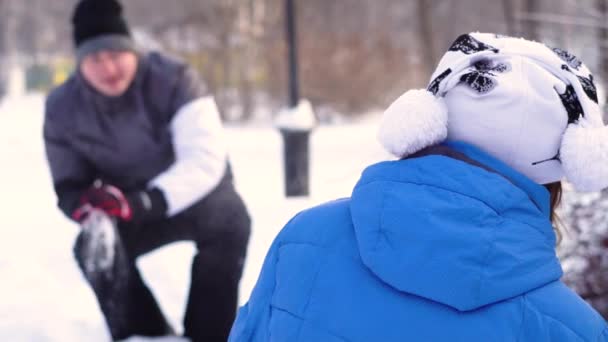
[253,319]
[70,172]
[199,146]
[252,323]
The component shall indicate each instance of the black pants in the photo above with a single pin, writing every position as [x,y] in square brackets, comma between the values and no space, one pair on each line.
[220,226]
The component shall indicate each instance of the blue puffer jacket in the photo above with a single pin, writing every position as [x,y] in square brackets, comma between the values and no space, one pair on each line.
[432,248]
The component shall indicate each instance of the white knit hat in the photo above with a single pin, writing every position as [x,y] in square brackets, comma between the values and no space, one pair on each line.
[533,107]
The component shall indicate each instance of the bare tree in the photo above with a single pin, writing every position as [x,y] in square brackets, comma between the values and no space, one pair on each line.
[426,42]
[531,27]
[509,15]
[602,6]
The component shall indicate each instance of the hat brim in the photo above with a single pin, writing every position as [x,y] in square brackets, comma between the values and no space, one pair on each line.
[110,42]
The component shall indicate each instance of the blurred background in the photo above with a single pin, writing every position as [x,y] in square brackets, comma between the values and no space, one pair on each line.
[355,57]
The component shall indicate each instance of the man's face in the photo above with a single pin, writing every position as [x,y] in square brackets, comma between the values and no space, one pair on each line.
[109,72]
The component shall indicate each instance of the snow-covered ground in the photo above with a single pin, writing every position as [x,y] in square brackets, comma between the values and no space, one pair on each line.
[43,296]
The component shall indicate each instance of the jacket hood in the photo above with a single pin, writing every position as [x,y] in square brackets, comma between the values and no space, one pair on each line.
[456,233]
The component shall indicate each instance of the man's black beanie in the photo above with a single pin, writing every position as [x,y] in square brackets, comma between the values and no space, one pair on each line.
[94,18]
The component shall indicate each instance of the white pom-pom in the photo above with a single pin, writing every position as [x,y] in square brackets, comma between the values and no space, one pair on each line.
[416,120]
[584,156]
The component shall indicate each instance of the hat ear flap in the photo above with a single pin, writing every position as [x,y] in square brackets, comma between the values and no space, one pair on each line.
[584,155]
[416,120]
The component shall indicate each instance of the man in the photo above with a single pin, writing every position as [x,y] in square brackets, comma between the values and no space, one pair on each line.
[134,138]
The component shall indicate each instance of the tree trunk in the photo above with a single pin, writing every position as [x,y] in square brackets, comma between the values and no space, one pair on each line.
[509,13]
[603,47]
[531,26]
[247,65]
[425,31]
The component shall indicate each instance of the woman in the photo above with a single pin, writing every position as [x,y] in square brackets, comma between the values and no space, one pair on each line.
[454,241]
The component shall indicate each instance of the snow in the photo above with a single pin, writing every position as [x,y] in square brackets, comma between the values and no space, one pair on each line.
[42,293]
[157,339]
[300,118]
[15,80]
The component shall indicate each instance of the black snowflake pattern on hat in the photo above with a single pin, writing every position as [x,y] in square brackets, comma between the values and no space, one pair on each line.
[572,104]
[587,84]
[567,57]
[481,79]
[489,66]
[434,86]
[468,45]
[589,87]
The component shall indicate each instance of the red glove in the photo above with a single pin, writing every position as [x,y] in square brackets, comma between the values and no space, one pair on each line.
[107,198]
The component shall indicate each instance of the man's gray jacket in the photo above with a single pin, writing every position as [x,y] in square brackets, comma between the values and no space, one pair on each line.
[164,132]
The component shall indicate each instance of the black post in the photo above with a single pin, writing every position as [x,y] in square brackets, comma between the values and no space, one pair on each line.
[295,137]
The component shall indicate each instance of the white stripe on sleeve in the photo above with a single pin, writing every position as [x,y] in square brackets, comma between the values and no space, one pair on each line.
[200,151]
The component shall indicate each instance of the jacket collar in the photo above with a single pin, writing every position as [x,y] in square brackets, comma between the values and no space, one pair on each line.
[474,156]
